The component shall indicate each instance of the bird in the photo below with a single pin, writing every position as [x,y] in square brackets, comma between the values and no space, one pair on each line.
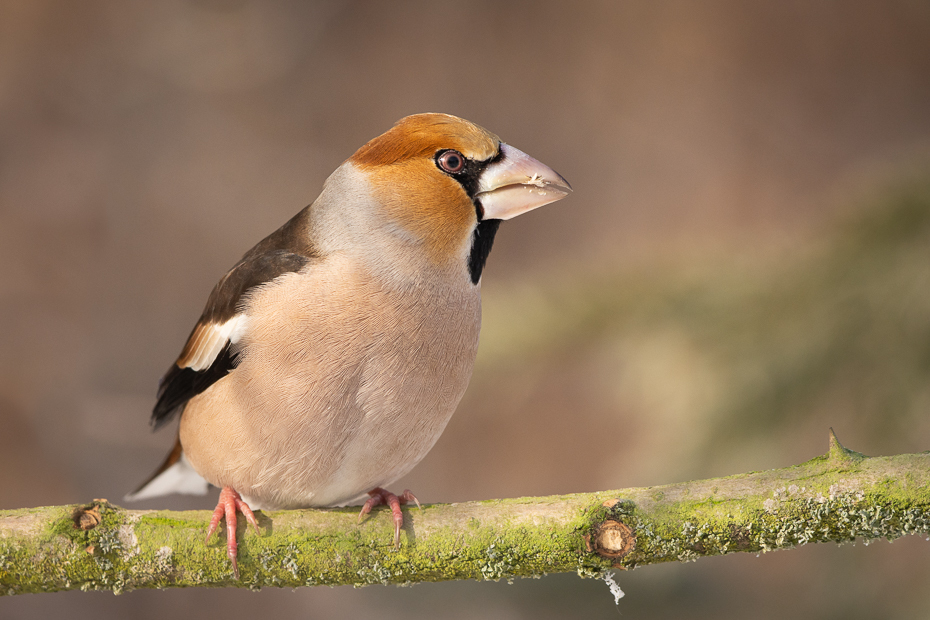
[329,359]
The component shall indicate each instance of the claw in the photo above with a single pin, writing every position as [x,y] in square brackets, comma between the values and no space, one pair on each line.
[229,503]
[407,496]
[380,497]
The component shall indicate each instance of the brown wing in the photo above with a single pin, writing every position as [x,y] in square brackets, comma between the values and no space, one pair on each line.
[210,352]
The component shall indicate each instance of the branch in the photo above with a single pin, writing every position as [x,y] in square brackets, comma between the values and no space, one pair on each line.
[837,497]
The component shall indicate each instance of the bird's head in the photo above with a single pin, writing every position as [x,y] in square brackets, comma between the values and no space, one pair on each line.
[444,184]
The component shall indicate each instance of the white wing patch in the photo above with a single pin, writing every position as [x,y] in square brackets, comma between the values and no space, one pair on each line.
[209,339]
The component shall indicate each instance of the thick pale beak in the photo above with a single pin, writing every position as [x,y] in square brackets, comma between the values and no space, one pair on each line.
[517,183]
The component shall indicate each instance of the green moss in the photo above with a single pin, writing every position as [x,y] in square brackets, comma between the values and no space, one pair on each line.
[821,500]
[816,505]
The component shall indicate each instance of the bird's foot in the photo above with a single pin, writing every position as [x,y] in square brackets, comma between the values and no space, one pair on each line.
[380,497]
[229,503]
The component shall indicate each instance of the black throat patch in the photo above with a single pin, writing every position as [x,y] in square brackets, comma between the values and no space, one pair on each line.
[480,247]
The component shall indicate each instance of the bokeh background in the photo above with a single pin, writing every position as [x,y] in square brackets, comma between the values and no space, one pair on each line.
[745,261]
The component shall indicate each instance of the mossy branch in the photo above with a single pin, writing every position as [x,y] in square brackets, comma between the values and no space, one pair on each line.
[837,497]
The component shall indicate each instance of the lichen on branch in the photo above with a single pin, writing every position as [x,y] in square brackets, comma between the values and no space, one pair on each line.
[838,497]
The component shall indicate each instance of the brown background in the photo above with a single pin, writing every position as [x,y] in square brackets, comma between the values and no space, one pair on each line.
[145,147]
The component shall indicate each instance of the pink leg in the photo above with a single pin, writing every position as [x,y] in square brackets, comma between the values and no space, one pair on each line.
[230,501]
[380,496]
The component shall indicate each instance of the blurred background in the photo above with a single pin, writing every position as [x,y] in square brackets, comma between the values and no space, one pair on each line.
[744,263]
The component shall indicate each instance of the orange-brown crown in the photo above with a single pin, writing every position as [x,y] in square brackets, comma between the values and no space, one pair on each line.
[422,135]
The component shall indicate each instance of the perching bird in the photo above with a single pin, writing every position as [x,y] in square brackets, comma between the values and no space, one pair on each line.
[329,359]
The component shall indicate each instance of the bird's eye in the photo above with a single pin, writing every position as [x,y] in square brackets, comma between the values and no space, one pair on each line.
[452,162]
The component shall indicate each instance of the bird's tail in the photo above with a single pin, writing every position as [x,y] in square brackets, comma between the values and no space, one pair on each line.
[175,475]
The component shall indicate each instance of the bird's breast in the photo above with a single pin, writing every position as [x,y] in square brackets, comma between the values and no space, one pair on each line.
[344,383]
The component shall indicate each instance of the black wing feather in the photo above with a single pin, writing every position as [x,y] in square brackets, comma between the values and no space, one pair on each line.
[286,250]
[179,385]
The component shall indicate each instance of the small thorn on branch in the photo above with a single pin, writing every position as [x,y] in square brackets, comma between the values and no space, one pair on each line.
[838,452]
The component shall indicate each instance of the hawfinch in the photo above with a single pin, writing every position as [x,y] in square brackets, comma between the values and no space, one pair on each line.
[329,359]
